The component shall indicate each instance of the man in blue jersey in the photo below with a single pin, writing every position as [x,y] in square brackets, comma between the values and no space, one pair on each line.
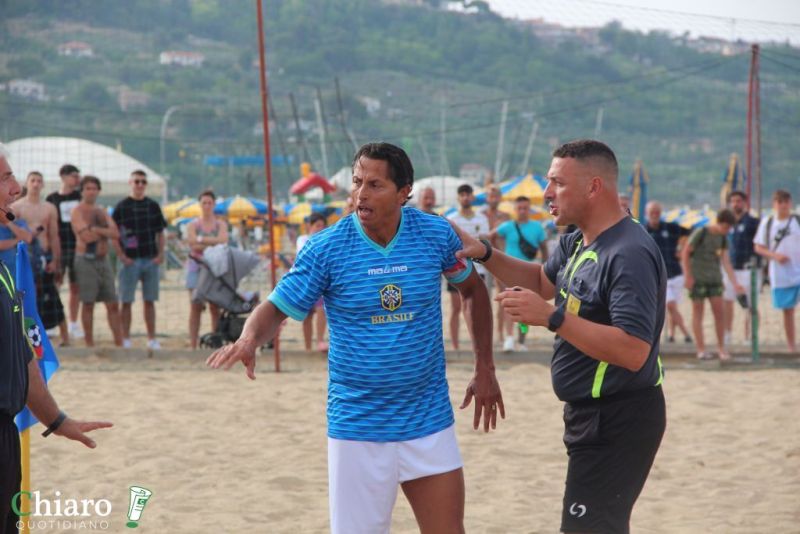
[609,284]
[390,421]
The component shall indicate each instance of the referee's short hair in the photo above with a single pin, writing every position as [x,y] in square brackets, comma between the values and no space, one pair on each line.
[401,171]
[582,149]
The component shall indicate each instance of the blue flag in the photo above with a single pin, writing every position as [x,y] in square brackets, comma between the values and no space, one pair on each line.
[40,344]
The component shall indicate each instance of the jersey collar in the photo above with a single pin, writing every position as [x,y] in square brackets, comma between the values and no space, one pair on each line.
[385,251]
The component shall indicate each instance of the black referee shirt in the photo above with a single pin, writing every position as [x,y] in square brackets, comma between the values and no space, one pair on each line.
[15,353]
[618,280]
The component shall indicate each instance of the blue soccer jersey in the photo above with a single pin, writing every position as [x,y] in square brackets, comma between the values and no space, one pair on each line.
[386,360]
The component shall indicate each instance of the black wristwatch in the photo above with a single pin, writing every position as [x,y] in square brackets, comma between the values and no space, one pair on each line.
[488,254]
[556,319]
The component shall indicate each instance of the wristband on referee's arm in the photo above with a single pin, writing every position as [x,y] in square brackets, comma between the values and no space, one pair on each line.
[55,424]
[488,253]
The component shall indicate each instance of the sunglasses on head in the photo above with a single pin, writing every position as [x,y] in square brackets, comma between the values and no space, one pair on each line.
[140,182]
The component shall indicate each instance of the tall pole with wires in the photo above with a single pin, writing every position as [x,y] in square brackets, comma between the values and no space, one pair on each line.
[267,166]
[753,144]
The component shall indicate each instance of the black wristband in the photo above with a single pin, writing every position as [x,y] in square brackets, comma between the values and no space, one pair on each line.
[556,319]
[488,254]
[55,424]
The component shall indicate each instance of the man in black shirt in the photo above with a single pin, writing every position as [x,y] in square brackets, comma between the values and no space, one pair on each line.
[141,250]
[742,255]
[609,284]
[21,382]
[669,238]
[65,200]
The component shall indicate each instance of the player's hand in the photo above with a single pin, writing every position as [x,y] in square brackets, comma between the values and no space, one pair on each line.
[781,258]
[472,248]
[50,267]
[158,259]
[739,289]
[76,430]
[488,399]
[688,281]
[127,260]
[525,306]
[243,351]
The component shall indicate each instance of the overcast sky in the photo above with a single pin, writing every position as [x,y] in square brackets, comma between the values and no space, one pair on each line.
[759,20]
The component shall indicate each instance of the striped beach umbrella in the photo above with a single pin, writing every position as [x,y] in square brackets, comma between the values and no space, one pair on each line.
[239,207]
[529,185]
[171,210]
[733,179]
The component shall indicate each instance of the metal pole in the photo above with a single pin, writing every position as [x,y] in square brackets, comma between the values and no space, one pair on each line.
[268,167]
[322,147]
[529,148]
[749,141]
[164,120]
[500,140]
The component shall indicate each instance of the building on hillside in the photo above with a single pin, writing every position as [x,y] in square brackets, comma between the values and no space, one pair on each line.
[715,45]
[27,89]
[371,104]
[75,49]
[181,58]
[128,99]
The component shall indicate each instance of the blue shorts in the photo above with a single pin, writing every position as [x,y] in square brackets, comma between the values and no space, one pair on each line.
[129,275]
[785,298]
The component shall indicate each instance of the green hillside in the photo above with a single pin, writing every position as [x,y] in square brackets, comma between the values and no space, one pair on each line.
[680,110]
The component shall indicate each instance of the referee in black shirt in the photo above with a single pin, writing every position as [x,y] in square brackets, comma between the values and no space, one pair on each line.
[609,283]
[21,382]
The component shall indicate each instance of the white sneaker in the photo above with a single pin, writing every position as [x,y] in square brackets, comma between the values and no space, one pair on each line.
[508,344]
[153,344]
[75,331]
[126,343]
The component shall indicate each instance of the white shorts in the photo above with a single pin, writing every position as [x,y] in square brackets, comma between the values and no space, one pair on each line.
[743,277]
[675,289]
[363,477]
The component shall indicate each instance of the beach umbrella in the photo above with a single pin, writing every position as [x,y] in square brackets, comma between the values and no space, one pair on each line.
[529,185]
[674,215]
[297,213]
[239,207]
[190,210]
[693,219]
[637,190]
[170,211]
[733,179]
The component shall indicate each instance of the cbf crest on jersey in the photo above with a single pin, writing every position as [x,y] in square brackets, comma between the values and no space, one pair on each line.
[391,297]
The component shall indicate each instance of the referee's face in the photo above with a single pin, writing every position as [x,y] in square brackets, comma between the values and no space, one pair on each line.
[377,200]
[567,190]
[9,188]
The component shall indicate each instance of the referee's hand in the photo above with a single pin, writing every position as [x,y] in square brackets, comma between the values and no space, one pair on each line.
[471,247]
[243,351]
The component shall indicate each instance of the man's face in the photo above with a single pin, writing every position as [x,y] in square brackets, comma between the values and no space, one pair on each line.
[724,228]
[738,205]
[138,185]
[72,180]
[567,190]
[378,201]
[782,208]
[522,209]
[493,198]
[428,200]
[34,183]
[89,192]
[465,200]
[9,188]
[653,214]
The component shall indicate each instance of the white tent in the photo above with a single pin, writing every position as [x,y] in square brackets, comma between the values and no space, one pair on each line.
[113,168]
[445,187]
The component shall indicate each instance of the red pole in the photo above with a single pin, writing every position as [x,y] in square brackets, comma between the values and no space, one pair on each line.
[268,167]
[749,141]
[757,88]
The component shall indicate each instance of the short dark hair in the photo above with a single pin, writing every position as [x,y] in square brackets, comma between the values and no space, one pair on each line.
[522,198]
[139,172]
[726,216]
[401,171]
[37,173]
[207,193]
[316,216]
[781,195]
[88,179]
[68,168]
[737,193]
[582,149]
[464,188]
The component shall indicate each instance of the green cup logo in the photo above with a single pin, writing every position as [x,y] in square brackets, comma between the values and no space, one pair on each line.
[139,497]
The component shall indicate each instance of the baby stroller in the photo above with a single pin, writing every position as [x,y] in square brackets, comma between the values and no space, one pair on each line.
[221,270]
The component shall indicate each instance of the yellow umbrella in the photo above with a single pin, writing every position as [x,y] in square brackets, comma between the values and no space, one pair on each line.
[523,186]
[190,210]
[171,210]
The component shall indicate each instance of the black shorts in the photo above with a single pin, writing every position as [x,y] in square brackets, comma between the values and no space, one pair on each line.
[10,473]
[68,265]
[611,444]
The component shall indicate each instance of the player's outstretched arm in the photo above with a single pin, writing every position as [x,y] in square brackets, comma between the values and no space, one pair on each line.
[260,327]
[483,386]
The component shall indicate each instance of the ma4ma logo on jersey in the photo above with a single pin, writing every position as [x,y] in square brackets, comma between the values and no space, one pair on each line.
[391,300]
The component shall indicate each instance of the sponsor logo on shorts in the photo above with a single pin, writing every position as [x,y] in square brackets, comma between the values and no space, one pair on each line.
[578,510]
[387,269]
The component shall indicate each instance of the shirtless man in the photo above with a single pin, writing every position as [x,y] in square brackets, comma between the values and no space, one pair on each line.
[495,216]
[93,227]
[42,218]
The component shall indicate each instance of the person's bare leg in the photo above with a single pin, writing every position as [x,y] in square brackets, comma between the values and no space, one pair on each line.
[438,502]
[727,309]
[125,315]
[74,303]
[195,309]
[455,312]
[87,318]
[788,327]
[697,325]
[719,325]
[150,318]
[676,318]
[670,323]
[308,330]
[112,313]
[213,310]
[64,332]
